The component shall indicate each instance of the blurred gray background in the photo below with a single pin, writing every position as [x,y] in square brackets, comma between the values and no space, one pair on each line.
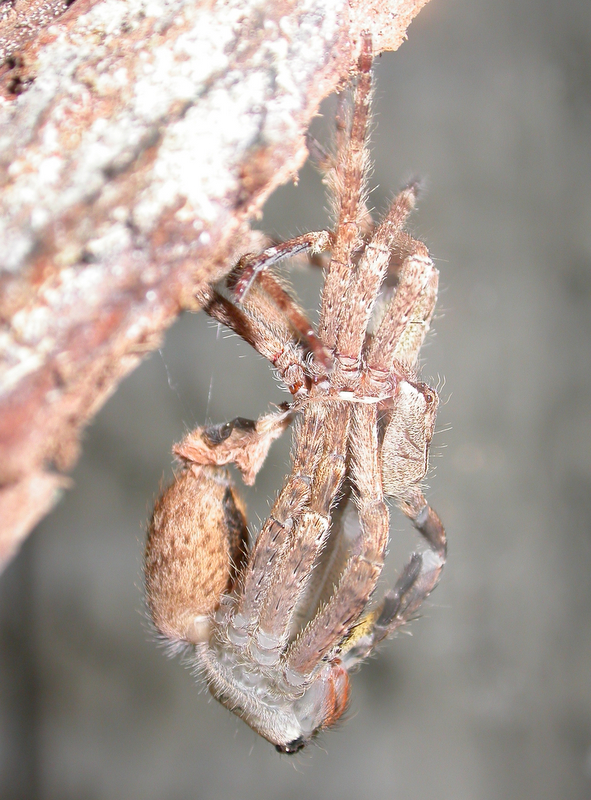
[491,696]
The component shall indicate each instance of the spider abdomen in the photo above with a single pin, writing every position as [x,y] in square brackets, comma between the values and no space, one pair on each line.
[195,544]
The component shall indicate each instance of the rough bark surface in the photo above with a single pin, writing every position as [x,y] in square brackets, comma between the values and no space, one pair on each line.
[137,138]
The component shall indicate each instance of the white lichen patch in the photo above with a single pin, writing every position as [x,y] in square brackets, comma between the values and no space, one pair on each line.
[114,240]
[16,362]
[202,175]
[30,326]
[35,331]
[180,85]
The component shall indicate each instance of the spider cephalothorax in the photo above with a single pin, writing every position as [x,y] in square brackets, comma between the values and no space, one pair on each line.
[276,630]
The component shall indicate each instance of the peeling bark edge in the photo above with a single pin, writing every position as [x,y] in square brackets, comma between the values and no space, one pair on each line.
[145,136]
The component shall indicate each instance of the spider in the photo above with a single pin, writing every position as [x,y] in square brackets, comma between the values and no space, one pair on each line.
[275,629]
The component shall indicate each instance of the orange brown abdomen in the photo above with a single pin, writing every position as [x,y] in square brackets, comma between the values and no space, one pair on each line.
[195,544]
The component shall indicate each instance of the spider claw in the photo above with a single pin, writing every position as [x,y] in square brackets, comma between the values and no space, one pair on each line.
[415,186]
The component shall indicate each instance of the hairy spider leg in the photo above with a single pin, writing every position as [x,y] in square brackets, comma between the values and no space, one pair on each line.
[394,348]
[348,181]
[365,281]
[333,621]
[405,323]
[290,575]
[413,305]
[252,265]
[280,527]
[416,582]
[362,284]
[260,323]
[253,268]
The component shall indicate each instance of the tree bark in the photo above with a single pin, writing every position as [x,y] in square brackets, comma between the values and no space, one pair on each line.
[137,138]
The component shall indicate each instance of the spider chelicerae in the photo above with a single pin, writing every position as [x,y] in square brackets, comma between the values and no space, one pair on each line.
[276,628]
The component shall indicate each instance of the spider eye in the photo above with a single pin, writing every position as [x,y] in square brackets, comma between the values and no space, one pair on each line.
[429,395]
[216,434]
[291,747]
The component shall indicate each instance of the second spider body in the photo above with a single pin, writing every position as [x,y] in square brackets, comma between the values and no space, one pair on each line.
[276,629]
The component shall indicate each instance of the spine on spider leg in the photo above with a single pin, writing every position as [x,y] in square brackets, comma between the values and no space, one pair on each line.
[196,543]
